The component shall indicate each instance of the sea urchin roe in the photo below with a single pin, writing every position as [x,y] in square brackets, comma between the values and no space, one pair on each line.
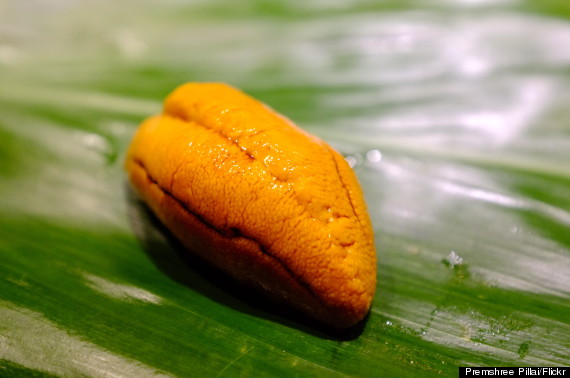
[251,193]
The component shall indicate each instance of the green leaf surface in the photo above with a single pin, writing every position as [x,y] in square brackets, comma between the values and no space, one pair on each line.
[453,113]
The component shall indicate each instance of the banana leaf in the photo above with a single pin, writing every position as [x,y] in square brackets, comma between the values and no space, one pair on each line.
[453,113]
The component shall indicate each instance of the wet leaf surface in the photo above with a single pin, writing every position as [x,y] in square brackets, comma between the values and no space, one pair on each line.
[453,114]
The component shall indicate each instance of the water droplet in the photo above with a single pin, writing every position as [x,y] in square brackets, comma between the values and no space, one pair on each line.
[374,156]
[454,259]
[354,160]
[351,161]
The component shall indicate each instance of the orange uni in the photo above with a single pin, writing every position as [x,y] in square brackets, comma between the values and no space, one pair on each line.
[250,192]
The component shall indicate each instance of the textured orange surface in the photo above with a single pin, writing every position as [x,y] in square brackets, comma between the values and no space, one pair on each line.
[247,190]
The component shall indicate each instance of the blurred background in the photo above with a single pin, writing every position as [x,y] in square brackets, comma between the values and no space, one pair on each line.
[453,113]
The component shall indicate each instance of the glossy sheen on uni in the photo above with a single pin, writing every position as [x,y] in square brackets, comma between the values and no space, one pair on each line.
[250,192]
